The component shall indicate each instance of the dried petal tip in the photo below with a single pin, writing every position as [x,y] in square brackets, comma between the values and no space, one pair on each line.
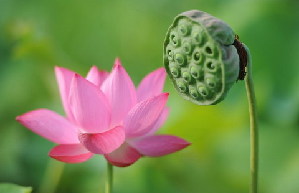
[200,58]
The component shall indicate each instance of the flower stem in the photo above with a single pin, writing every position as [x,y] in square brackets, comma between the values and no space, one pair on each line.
[109,180]
[52,176]
[253,130]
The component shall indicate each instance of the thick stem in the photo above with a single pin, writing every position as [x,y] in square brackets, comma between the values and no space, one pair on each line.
[253,130]
[109,180]
[52,176]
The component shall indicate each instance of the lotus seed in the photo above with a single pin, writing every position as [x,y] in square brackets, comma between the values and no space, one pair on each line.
[187,77]
[211,82]
[170,55]
[174,39]
[198,37]
[182,87]
[187,47]
[195,71]
[184,28]
[203,91]
[197,56]
[211,66]
[179,58]
[193,92]
[174,71]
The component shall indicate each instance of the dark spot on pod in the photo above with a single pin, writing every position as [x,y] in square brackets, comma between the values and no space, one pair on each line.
[208,50]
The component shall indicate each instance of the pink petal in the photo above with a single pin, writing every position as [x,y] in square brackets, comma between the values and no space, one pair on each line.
[50,125]
[70,153]
[89,105]
[64,78]
[96,76]
[151,85]
[103,143]
[120,91]
[143,116]
[160,121]
[159,145]
[123,156]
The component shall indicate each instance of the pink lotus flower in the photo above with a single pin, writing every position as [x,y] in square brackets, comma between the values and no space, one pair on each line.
[105,114]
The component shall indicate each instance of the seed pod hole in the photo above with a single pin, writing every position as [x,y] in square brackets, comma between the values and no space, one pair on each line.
[211,65]
[209,50]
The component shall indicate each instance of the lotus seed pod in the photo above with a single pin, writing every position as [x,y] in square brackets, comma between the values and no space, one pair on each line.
[200,57]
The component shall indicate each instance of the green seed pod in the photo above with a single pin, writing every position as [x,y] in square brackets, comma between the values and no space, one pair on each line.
[206,61]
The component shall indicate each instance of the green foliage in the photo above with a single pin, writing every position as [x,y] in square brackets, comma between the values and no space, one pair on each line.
[13,188]
[35,35]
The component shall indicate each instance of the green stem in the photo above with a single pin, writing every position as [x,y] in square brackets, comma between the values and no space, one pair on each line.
[253,130]
[52,176]
[109,180]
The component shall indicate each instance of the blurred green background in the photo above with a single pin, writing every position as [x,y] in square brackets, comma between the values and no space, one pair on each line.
[36,35]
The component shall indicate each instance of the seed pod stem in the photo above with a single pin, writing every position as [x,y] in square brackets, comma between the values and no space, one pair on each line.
[254,150]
